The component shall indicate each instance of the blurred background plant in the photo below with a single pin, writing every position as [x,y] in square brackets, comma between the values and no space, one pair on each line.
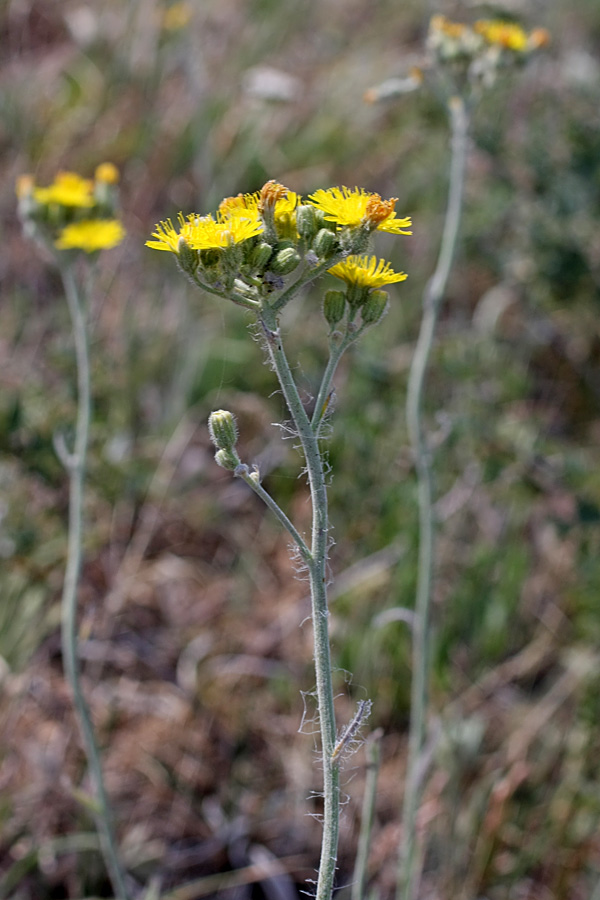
[193,103]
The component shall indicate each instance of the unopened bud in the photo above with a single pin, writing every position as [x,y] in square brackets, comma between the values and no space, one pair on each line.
[285,261]
[222,429]
[325,244]
[334,306]
[261,254]
[374,307]
[306,222]
[227,459]
[187,258]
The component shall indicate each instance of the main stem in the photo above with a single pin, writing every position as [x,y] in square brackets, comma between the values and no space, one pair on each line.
[76,463]
[320,613]
[432,300]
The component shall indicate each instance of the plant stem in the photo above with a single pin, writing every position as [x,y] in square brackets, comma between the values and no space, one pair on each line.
[373,753]
[432,300]
[252,481]
[76,463]
[320,613]
[336,350]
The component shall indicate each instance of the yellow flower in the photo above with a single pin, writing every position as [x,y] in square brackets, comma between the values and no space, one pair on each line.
[204,233]
[167,238]
[207,233]
[67,189]
[504,34]
[107,173]
[357,207]
[91,235]
[366,272]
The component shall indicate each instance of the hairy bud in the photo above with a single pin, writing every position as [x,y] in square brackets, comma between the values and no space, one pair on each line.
[334,306]
[223,429]
[374,307]
[285,261]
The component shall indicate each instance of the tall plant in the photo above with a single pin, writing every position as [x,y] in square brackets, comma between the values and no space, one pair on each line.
[72,220]
[259,251]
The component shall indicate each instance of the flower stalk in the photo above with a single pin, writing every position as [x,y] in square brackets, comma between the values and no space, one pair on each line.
[432,301]
[75,464]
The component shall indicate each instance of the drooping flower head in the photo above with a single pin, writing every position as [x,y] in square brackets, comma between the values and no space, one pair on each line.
[356,207]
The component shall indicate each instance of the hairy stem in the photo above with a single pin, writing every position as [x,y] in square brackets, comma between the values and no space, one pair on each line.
[251,479]
[320,613]
[336,350]
[76,463]
[432,300]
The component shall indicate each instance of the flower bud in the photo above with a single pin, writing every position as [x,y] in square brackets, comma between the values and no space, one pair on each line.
[261,254]
[222,429]
[374,307]
[334,306]
[227,459]
[306,221]
[325,244]
[187,258]
[285,261]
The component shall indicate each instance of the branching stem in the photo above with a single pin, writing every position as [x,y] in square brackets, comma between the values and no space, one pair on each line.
[320,613]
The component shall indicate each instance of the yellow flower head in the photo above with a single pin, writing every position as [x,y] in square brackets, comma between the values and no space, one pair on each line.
[508,35]
[366,272]
[167,238]
[206,233]
[357,207]
[91,235]
[107,173]
[67,189]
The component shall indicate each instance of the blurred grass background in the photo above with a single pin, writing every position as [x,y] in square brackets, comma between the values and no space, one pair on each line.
[197,645]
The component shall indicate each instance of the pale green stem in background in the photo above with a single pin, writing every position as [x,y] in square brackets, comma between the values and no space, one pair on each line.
[75,463]
[320,613]
[373,754]
[432,299]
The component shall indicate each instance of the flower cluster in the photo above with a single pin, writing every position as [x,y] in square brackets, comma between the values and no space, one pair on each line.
[478,51]
[247,249]
[73,213]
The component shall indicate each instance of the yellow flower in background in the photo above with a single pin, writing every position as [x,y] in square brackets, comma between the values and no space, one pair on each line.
[366,272]
[357,207]
[91,235]
[107,173]
[504,34]
[25,186]
[67,189]
[446,26]
[177,16]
